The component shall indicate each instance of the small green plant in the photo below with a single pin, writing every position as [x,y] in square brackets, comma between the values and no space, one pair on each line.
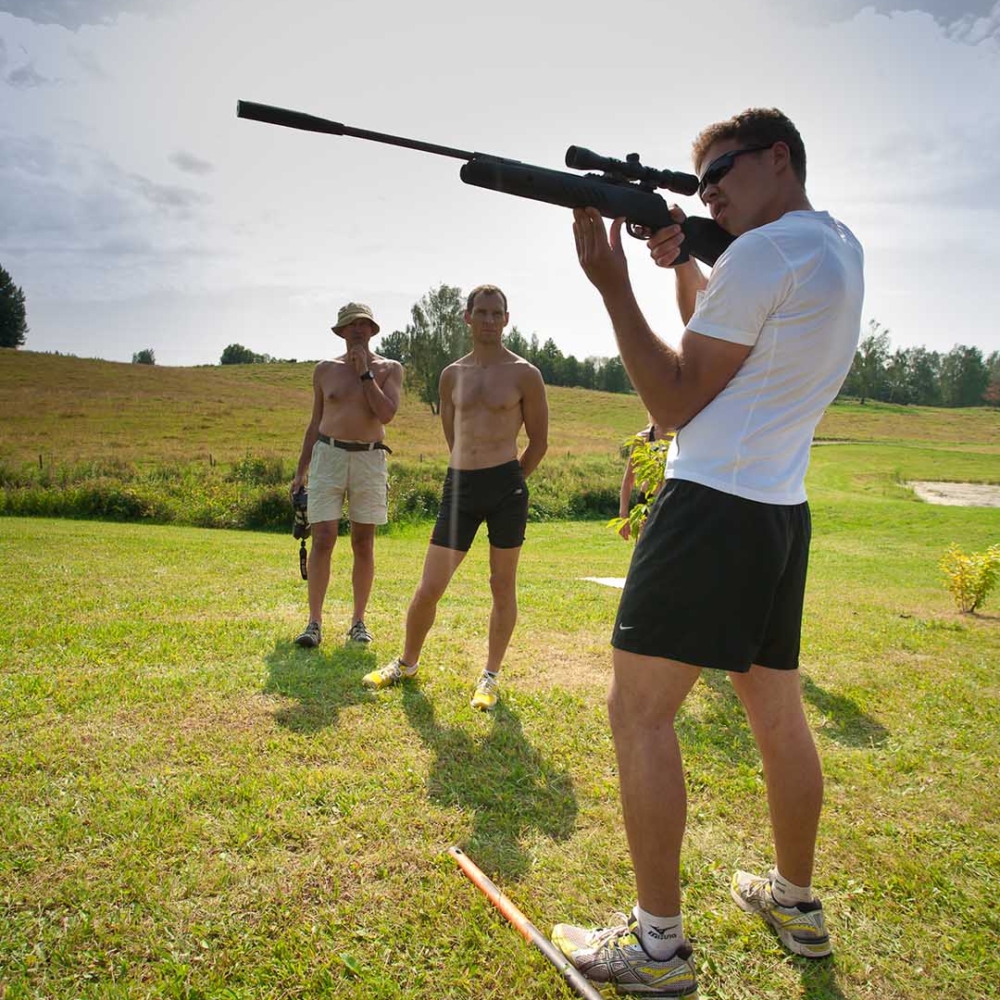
[649,461]
[971,576]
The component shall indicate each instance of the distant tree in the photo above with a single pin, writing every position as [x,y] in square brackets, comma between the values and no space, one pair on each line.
[237,354]
[964,377]
[436,336]
[897,377]
[613,377]
[549,360]
[516,341]
[992,395]
[588,373]
[144,357]
[867,374]
[395,345]
[570,371]
[13,324]
[924,376]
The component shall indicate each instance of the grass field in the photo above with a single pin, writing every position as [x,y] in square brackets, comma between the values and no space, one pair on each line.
[191,807]
[217,446]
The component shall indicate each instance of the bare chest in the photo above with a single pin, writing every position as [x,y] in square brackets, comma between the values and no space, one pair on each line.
[340,383]
[486,390]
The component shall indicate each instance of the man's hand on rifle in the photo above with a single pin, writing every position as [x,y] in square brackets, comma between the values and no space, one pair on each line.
[601,256]
[665,243]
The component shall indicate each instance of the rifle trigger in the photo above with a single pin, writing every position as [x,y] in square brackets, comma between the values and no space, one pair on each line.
[640,232]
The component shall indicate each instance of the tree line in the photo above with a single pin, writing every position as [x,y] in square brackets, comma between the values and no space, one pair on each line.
[437,335]
[962,377]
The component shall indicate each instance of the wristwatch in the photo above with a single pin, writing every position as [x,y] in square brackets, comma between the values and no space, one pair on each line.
[367,376]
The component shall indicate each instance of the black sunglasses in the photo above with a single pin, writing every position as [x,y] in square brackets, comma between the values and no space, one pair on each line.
[721,166]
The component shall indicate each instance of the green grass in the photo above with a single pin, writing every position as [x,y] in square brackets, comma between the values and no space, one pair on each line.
[217,446]
[192,807]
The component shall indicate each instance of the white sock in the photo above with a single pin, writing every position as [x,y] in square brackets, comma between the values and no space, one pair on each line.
[660,936]
[788,893]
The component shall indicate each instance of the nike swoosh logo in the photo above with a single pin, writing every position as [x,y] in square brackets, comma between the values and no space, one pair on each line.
[625,628]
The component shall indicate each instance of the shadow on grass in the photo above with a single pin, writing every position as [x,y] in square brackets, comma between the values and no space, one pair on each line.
[723,723]
[320,681]
[844,721]
[819,979]
[502,779]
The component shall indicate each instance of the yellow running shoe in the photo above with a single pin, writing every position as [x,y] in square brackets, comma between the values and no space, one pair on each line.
[615,955]
[800,927]
[388,675]
[487,692]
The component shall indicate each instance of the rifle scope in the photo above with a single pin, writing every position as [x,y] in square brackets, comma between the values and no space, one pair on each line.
[580,158]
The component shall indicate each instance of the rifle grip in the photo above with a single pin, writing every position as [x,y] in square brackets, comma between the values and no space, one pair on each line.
[641,232]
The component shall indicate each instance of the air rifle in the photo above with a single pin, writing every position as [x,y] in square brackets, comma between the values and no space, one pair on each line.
[625,189]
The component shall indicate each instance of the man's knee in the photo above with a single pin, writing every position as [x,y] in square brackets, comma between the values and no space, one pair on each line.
[646,691]
[429,591]
[503,586]
[324,536]
[363,540]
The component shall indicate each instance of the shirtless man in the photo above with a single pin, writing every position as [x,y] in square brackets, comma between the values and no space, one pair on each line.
[354,397]
[486,397]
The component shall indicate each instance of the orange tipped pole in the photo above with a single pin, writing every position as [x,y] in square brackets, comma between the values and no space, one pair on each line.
[576,980]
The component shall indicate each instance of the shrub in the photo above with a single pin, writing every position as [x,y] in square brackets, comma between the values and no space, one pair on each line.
[971,576]
[258,470]
[649,461]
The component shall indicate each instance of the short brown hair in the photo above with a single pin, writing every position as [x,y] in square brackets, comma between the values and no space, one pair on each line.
[485,290]
[755,127]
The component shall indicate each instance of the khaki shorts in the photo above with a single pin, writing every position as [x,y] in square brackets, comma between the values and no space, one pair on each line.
[361,476]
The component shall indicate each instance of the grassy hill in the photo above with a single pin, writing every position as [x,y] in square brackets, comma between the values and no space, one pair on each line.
[216,446]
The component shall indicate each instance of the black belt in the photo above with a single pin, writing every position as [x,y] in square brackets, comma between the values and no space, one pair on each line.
[355,445]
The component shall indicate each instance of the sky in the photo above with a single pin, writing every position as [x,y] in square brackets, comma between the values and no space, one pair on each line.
[137,211]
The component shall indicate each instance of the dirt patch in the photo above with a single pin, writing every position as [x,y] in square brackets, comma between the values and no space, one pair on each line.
[957,494]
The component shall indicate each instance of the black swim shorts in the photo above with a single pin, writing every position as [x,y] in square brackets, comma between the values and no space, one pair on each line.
[498,496]
[716,581]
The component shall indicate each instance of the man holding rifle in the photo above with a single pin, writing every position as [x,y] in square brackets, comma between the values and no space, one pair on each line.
[717,578]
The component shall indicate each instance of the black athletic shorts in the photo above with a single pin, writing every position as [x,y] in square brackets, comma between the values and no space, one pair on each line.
[498,496]
[716,581]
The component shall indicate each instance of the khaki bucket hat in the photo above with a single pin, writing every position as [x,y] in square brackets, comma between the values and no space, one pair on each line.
[351,312]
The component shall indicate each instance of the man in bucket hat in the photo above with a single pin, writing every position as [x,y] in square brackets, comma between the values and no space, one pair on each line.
[344,455]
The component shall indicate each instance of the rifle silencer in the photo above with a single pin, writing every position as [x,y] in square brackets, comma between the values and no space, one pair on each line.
[283,116]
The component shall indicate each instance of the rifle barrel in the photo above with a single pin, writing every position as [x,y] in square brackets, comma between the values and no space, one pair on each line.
[311,123]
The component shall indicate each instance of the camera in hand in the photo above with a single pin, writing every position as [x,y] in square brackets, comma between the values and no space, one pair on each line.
[300,526]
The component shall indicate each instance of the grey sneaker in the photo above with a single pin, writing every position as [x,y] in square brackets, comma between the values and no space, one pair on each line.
[615,955]
[388,675]
[359,633]
[800,927]
[311,636]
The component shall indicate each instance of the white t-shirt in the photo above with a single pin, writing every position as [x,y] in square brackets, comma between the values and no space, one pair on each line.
[792,289]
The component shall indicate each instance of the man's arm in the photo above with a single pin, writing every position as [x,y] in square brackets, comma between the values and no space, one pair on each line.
[535,414]
[673,385]
[383,398]
[446,405]
[311,434]
[664,246]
